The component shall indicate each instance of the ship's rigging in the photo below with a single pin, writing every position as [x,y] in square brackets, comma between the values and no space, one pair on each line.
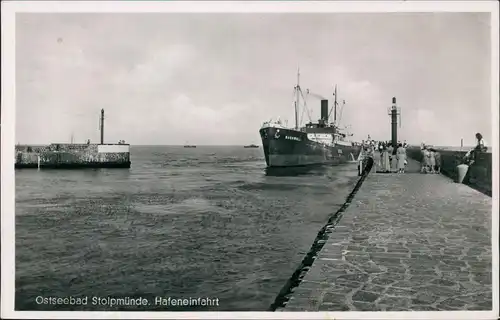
[297,93]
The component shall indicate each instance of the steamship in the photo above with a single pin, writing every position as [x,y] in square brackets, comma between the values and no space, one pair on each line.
[316,143]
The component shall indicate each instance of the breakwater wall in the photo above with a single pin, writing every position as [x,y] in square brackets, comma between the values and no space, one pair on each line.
[286,292]
[479,175]
[72,156]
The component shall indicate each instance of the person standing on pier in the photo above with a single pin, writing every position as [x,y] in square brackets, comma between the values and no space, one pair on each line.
[386,164]
[432,160]
[437,157]
[401,158]
[394,161]
[425,159]
[382,149]
[392,157]
[377,157]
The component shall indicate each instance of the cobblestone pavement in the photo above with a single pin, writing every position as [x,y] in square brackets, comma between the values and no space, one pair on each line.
[407,242]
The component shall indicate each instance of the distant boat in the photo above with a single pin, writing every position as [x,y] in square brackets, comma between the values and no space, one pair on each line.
[251,146]
[189,145]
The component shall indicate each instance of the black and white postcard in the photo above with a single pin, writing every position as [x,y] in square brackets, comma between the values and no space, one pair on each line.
[251,159]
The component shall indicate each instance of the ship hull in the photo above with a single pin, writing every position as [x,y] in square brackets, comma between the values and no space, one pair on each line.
[292,148]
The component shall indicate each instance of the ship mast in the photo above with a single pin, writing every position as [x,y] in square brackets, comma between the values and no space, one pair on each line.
[297,93]
[335,107]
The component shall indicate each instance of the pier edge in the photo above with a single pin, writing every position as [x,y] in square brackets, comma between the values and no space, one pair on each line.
[299,273]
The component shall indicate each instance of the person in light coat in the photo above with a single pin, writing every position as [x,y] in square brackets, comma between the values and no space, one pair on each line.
[401,158]
[432,160]
[425,160]
[386,164]
[377,157]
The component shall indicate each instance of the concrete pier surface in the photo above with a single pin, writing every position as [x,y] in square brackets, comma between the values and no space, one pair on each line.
[406,242]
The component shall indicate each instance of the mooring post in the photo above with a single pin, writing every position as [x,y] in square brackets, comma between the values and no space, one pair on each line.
[102,126]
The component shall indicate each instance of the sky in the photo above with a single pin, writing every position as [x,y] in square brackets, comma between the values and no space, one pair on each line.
[214,78]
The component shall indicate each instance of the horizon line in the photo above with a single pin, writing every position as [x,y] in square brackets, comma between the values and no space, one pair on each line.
[218,145]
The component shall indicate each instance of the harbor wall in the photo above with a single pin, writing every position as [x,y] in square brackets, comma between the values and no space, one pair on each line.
[479,175]
[69,156]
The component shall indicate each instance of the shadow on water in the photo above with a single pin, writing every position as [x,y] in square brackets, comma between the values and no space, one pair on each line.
[295,171]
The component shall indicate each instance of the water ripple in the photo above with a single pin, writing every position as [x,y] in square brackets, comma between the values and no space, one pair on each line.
[204,222]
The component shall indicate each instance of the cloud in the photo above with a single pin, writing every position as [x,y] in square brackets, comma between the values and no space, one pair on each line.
[180,118]
[164,78]
[158,68]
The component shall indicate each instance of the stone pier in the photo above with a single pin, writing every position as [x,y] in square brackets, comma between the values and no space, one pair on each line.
[406,242]
[73,156]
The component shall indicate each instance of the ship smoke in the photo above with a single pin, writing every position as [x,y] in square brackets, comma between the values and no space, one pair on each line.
[315,95]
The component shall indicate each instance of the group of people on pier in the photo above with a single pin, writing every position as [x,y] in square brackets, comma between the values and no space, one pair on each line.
[387,157]
[431,160]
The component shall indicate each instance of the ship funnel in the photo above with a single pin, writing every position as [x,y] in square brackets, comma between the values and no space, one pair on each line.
[324,110]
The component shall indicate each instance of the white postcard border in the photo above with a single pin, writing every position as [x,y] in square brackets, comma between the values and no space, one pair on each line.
[8,142]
